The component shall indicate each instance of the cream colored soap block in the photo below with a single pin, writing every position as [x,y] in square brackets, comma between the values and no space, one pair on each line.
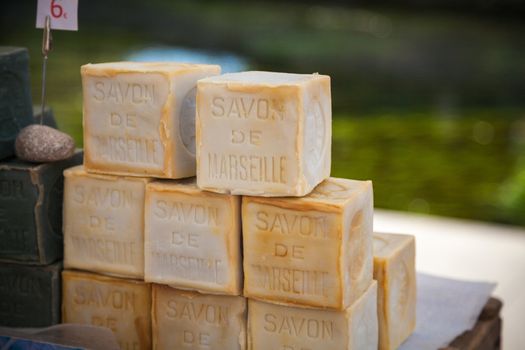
[104,223]
[193,238]
[189,320]
[315,250]
[263,133]
[279,327]
[139,118]
[124,306]
[395,272]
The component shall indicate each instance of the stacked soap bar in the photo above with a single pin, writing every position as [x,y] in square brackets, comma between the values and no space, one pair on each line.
[30,208]
[30,295]
[262,250]
[193,238]
[139,118]
[263,133]
[395,272]
[15,97]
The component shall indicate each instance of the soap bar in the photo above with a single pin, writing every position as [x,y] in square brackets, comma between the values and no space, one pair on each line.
[315,250]
[272,326]
[104,223]
[192,238]
[263,133]
[395,272]
[139,118]
[189,320]
[31,210]
[15,97]
[29,295]
[124,306]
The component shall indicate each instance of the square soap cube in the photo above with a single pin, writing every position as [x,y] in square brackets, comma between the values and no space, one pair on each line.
[189,320]
[15,97]
[139,117]
[395,272]
[272,326]
[104,223]
[315,250]
[193,238]
[31,210]
[122,305]
[263,133]
[29,295]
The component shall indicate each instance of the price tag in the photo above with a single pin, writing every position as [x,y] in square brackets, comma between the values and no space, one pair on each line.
[63,14]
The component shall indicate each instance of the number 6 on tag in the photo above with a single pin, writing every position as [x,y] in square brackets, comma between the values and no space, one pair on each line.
[63,14]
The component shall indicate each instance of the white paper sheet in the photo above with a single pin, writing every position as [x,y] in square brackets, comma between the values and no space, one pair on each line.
[445,309]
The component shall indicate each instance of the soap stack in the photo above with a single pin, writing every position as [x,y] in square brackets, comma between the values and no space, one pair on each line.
[131,136]
[262,250]
[30,208]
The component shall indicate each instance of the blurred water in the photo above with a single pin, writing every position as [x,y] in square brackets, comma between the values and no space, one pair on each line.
[228,61]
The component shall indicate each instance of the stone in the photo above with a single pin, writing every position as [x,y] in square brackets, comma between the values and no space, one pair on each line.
[104,223]
[189,320]
[15,97]
[395,273]
[139,117]
[263,133]
[272,326]
[122,305]
[30,295]
[315,250]
[192,238]
[31,210]
[42,144]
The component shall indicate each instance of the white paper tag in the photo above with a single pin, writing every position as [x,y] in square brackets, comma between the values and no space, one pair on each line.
[63,14]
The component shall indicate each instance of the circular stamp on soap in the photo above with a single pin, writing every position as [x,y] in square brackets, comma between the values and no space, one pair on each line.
[400,289]
[187,121]
[315,134]
[355,244]
[331,189]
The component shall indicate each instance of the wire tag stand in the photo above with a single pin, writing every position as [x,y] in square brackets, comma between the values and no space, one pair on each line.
[47,46]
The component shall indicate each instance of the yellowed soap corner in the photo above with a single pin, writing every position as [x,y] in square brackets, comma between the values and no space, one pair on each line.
[139,117]
[395,272]
[111,68]
[192,238]
[124,306]
[103,223]
[263,133]
[312,251]
[183,319]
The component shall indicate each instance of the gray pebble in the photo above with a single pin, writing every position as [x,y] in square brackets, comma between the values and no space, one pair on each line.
[40,144]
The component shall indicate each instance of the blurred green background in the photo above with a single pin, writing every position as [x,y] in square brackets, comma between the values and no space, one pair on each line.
[428,96]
